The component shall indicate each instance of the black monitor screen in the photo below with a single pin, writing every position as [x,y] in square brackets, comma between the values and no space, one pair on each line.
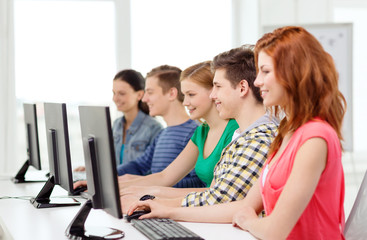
[31,128]
[32,143]
[58,146]
[58,156]
[100,164]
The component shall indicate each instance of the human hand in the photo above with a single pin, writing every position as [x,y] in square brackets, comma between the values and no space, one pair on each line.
[80,183]
[79,169]
[157,209]
[127,201]
[243,218]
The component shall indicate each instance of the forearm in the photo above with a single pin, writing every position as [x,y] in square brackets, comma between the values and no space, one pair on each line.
[155,179]
[169,192]
[219,213]
[264,228]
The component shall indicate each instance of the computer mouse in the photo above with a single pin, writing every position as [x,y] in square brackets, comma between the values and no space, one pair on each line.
[79,189]
[136,214]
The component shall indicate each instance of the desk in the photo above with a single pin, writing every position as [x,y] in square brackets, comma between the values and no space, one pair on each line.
[19,220]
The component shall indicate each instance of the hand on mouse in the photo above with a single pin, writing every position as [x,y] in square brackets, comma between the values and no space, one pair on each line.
[80,183]
[157,210]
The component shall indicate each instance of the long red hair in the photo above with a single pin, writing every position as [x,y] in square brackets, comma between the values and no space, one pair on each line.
[308,74]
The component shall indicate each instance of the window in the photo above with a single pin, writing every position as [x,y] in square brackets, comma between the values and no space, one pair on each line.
[357,16]
[180,33]
[64,52]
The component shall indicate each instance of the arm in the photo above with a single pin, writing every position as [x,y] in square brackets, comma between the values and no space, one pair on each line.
[141,165]
[159,191]
[219,213]
[234,175]
[308,166]
[172,174]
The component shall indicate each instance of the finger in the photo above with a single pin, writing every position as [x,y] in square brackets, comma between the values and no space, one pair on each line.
[79,183]
[138,204]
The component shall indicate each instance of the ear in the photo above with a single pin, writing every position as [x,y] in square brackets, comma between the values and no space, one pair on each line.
[244,87]
[173,92]
[140,94]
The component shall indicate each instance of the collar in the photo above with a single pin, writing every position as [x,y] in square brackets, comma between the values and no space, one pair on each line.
[138,121]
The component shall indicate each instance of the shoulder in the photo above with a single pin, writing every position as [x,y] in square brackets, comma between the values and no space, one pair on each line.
[182,131]
[151,121]
[266,131]
[188,126]
[117,122]
[232,125]
[316,125]
[202,127]
[316,128]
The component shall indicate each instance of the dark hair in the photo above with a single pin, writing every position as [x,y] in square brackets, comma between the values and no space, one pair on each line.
[308,75]
[136,80]
[169,77]
[199,73]
[239,64]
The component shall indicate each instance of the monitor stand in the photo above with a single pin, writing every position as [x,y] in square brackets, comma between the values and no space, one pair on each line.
[76,229]
[43,199]
[20,177]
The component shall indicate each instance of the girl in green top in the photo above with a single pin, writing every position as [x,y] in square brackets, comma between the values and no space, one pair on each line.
[202,152]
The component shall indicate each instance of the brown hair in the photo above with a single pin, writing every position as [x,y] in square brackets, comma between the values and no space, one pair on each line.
[200,73]
[136,81]
[169,77]
[309,77]
[239,64]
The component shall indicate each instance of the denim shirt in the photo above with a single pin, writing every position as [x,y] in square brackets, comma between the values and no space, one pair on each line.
[139,136]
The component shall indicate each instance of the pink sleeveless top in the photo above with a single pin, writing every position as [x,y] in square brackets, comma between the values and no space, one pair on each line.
[323,217]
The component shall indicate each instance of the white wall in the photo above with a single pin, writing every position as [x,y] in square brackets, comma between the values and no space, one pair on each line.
[7,90]
[287,12]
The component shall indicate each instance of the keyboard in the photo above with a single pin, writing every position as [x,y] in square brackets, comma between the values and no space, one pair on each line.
[163,229]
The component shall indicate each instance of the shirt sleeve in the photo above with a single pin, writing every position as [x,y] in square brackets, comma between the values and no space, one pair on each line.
[234,175]
[141,165]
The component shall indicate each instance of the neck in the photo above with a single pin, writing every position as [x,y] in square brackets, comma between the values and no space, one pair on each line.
[212,118]
[176,114]
[130,116]
[249,114]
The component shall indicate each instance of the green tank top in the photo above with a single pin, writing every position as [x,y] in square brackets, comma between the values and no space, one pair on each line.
[204,167]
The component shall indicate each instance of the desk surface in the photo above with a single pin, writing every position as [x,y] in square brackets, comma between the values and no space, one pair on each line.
[20,220]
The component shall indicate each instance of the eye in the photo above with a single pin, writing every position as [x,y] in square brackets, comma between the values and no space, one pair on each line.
[191,94]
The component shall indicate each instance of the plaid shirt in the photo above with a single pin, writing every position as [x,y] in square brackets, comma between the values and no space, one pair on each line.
[240,165]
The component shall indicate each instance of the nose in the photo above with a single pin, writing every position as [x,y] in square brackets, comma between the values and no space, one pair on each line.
[114,97]
[258,81]
[185,101]
[213,94]
[145,97]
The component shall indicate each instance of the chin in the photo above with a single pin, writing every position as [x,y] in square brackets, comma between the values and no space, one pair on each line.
[223,116]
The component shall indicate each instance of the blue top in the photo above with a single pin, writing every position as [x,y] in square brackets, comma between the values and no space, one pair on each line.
[122,153]
[139,136]
[165,148]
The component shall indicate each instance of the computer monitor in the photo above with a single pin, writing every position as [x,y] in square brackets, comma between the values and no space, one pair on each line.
[100,164]
[59,158]
[33,152]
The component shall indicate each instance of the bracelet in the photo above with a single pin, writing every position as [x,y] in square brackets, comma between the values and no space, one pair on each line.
[147,197]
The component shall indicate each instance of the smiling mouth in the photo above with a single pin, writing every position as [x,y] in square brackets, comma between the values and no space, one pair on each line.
[263,92]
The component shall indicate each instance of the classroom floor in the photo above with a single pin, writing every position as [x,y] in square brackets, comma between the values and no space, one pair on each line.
[355,166]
